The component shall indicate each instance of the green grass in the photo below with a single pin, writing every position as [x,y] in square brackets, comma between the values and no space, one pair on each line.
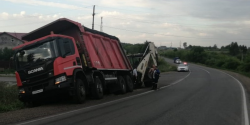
[8,71]
[9,98]
[163,66]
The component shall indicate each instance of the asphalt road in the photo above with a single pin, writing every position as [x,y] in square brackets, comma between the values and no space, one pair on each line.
[7,79]
[203,96]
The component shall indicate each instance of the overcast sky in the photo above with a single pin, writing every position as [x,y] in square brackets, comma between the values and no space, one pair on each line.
[197,22]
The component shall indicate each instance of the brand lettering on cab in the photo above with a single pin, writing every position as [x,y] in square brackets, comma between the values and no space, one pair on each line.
[35,70]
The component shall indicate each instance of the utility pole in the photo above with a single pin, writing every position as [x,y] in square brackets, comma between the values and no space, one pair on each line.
[101,25]
[93,17]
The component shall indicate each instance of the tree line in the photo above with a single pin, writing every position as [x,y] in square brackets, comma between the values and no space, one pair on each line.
[135,48]
[233,56]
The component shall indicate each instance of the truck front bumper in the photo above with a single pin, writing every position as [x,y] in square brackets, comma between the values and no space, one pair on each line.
[43,90]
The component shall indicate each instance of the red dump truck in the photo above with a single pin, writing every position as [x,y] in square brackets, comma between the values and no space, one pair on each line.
[66,57]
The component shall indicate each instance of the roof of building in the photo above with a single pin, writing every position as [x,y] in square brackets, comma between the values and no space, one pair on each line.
[16,35]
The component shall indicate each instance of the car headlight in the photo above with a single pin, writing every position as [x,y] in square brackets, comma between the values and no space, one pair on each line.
[60,79]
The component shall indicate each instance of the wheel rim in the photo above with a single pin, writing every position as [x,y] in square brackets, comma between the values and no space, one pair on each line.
[123,86]
[82,92]
[99,87]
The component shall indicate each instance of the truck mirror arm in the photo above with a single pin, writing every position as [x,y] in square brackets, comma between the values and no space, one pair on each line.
[64,55]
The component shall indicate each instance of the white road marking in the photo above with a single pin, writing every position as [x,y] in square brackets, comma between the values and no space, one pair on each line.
[244,102]
[176,81]
[94,106]
[102,104]
[204,70]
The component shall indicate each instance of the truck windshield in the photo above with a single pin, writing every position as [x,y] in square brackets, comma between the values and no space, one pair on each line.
[36,54]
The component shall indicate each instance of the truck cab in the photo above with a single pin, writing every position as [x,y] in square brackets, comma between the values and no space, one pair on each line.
[45,64]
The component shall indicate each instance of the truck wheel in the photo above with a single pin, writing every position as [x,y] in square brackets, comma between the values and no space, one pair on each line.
[80,93]
[31,104]
[97,88]
[138,84]
[122,85]
[129,83]
[148,84]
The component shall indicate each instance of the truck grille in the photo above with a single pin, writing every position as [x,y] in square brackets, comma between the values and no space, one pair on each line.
[40,78]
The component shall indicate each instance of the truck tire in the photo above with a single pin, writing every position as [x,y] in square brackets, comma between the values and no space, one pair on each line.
[148,84]
[31,103]
[80,92]
[129,83]
[122,85]
[138,84]
[97,88]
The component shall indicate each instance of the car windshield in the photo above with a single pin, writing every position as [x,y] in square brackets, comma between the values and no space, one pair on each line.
[35,54]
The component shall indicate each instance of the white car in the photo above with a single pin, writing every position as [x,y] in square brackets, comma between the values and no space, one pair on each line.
[178,61]
[182,67]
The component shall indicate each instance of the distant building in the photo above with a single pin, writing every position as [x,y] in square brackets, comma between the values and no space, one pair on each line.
[10,40]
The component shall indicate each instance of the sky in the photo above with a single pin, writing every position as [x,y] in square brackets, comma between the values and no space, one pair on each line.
[164,22]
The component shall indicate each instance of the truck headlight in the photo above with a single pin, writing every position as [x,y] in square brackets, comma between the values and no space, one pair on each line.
[22,91]
[60,79]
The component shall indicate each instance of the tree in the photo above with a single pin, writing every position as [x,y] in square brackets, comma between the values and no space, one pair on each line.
[243,51]
[234,49]
[215,46]
[190,46]
[135,48]
[185,45]
[6,54]
[197,54]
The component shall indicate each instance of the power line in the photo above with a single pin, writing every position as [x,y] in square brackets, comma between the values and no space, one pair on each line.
[171,23]
[115,7]
[29,16]
[129,31]
[165,34]
[145,21]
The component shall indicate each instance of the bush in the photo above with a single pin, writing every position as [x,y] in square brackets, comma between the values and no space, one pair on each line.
[210,62]
[7,71]
[245,67]
[163,66]
[9,98]
[231,63]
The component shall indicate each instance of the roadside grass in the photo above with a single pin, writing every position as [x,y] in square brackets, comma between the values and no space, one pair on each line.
[163,66]
[7,71]
[9,98]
